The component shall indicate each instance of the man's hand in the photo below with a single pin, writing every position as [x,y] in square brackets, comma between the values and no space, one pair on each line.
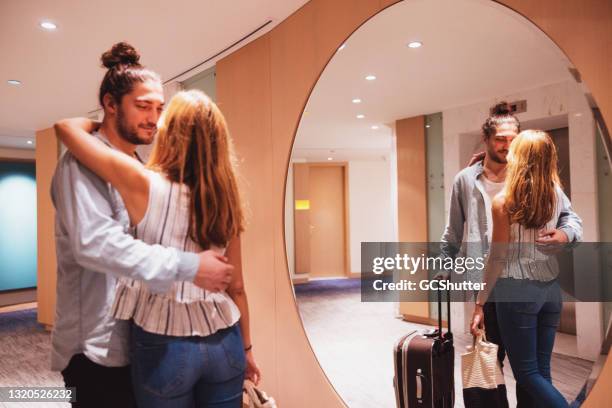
[551,241]
[552,236]
[476,158]
[214,273]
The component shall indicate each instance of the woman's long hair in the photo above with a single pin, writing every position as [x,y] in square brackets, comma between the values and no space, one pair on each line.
[531,179]
[193,147]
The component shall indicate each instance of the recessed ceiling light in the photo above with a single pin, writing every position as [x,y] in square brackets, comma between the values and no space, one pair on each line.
[29,142]
[360,116]
[374,127]
[341,47]
[47,25]
[370,77]
[330,158]
[415,44]
[579,114]
[356,100]
[427,126]
[14,82]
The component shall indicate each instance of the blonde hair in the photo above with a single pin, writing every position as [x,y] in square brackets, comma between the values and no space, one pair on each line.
[531,179]
[194,148]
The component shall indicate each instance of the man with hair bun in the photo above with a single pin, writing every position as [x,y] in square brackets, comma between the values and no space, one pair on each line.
[470,214]
[89,347]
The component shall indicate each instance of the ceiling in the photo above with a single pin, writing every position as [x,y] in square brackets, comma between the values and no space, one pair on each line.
[473,50]
[60,70]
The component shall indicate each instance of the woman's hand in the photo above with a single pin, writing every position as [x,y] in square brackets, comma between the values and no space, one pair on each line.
[252,370]
[477,320]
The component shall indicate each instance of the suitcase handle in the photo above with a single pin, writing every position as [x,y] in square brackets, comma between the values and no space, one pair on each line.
[448,311]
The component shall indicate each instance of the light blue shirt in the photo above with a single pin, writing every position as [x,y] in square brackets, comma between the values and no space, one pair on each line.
[94,248]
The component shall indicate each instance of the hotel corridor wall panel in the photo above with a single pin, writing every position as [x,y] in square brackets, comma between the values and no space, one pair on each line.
[262,88]
[47,151]
[17,225]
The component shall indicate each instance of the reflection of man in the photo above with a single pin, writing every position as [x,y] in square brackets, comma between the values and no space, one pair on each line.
[89,347]
[470,213]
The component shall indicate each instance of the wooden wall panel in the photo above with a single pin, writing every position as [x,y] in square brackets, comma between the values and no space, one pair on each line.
[263,109]
[301,218]
[47,150]
[411,179]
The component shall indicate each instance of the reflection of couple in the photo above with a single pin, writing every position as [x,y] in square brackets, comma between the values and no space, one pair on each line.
[514,196]
[177,278]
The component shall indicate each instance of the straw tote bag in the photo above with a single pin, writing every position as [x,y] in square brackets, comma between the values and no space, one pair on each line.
[257,398]
[483,381]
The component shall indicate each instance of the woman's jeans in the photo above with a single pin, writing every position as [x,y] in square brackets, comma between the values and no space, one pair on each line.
[177,372]
[528,331]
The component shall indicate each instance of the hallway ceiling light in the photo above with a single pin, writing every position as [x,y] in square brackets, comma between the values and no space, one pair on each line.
[370,77]
[415,44]
[356,100]
[29,142]
[374,127]
[360,116]
[14,82]
[330,158]
[427,126]
[48,25]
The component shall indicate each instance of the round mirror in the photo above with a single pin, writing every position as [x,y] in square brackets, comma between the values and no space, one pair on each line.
[395,116]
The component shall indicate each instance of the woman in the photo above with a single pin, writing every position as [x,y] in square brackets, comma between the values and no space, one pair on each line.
[187,344]
[524,276]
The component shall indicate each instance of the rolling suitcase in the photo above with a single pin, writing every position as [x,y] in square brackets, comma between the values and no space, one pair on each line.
[424,367]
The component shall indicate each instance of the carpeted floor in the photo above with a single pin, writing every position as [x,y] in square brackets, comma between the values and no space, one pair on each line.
[25,349]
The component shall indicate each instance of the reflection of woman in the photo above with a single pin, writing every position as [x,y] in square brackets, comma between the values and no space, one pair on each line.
[529,203]
[187,346]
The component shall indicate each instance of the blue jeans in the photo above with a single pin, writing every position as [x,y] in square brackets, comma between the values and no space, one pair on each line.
[528,331]
[188,372]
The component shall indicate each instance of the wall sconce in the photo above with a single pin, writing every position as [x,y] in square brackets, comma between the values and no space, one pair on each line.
[302,204]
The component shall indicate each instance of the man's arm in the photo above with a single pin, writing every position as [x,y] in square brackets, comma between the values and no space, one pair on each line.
[453,233]
[569,222]
[100,243]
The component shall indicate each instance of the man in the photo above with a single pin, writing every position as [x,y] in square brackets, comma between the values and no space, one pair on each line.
[470,213]
[94,248]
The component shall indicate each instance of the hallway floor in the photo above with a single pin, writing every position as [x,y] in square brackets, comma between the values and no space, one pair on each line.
[353,342]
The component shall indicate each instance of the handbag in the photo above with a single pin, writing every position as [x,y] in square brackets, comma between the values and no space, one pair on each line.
[257,398]
[483,380]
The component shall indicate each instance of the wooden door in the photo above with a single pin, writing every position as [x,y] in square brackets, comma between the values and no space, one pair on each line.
[327,221]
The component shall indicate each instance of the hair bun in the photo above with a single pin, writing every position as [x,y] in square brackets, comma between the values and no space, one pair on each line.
[121,53]
[501,109]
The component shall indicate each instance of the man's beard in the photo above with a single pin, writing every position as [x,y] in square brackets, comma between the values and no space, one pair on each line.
[127,134]
[497,158]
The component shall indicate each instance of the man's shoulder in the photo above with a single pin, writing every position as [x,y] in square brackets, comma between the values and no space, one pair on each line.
[468,173]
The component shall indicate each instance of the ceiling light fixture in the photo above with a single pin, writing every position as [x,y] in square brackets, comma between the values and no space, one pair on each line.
[374,127]
[415,44]
[356,100]
[427,126]
[330,158]
[341,47]
[47,25]
[29,142]
[370,77]
[360,116]
[14,82]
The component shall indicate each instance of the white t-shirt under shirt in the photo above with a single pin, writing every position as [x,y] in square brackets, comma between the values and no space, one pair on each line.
[491,187]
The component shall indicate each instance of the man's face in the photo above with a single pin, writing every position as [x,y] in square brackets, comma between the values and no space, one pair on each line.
[139,111]
[499,143]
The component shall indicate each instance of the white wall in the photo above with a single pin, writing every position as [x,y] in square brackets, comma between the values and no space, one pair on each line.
[6,153]
[564,100]
[370,206]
